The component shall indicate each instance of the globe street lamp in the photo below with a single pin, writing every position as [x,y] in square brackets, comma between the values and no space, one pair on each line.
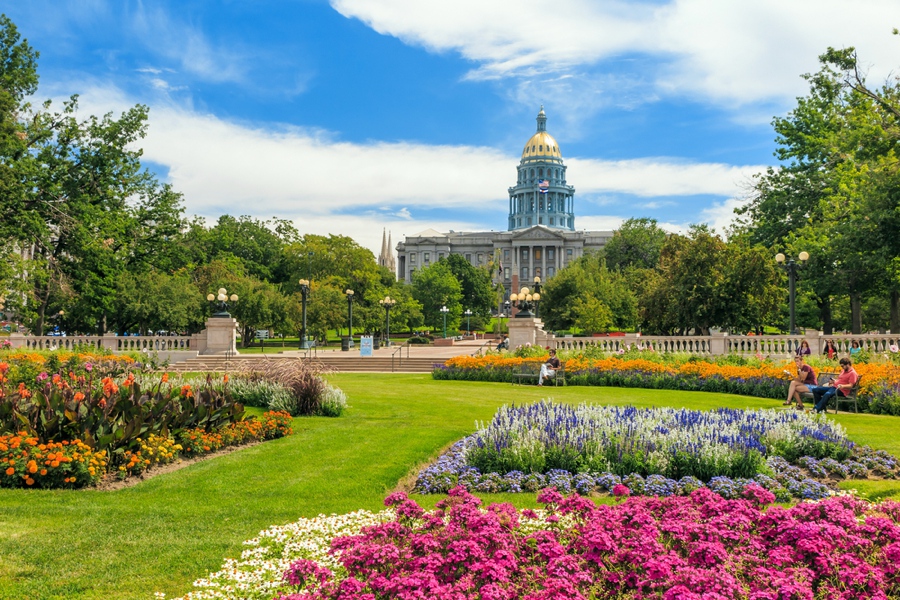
[223,299]
[304,293]
[537,296]
[388,303]
[444,311]
[349,319]
[792,267]
[468,314]
[524,301]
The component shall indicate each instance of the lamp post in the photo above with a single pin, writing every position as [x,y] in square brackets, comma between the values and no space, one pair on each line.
[537,296]
[506,306]
[388,303]
[444,311]
[468,314]
[792,267]
[349,318]
[524,301]
[223,299]
[304,293]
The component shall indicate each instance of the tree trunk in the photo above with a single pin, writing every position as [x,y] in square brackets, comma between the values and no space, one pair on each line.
[895,311]
[855,313]
[825,315]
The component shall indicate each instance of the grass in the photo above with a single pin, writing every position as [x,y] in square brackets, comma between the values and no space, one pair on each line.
[165,532]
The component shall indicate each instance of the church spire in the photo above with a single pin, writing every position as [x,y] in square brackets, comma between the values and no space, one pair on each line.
[386,258]
[542,120]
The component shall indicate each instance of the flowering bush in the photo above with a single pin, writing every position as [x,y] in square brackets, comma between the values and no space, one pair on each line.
[653,452]
[26,462]
[697,546]
[879,390]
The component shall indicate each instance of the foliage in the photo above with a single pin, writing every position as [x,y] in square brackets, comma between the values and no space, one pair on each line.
[587,292]
[434,287]
[334,402]
[302,379]
[635,244]
[258,391]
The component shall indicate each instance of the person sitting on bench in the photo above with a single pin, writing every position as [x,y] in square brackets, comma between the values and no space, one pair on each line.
[549,368]
[845,381]
[504,344]
[805,379]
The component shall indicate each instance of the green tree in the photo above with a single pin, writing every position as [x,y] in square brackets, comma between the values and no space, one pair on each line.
[475,283]
[436,286]
[636,244]
[587,278]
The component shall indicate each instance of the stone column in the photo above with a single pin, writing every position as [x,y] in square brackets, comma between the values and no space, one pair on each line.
[530,264]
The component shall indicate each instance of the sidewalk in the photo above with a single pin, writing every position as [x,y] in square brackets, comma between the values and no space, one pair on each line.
[438,353]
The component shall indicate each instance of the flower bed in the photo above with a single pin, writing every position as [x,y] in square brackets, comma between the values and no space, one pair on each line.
[653,451]
[879,392]
[699,546]
[67,429]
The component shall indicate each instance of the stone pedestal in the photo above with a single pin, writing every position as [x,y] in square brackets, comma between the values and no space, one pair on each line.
[221,335]
[525,331]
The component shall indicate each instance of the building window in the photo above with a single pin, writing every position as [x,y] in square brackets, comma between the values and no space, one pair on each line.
[440,255]
[568,253]
[537,271]
[411,273]
[426,257]
[480,258]
[529,221]
[506,255]
[541,204]
[550,271]
[469,258]
[537,254]
[551,220]
[412,257]
[524,253]
[540,173]
[506,273]
[541,147]
[519,222]
[532,173]
[550,253]
[524,274]
[540,220]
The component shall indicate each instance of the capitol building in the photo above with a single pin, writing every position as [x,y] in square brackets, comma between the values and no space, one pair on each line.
[541,238]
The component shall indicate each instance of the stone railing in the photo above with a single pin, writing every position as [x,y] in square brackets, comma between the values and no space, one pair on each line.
[108,342]
[745,345]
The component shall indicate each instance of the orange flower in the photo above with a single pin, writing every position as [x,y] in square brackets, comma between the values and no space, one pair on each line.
[165,378]
[10,471]
[29,481]
[226,378]
[109,386]
[186,391]
[78,397]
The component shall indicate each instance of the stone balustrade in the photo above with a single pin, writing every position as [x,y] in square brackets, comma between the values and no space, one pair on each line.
[141,343]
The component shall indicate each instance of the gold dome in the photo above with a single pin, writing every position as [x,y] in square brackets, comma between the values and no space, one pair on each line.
[541,144]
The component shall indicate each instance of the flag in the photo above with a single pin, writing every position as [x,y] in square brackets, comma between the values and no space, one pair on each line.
[500,268]
[543,185]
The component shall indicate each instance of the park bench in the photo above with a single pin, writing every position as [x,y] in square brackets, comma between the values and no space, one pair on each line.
[851,394]
[528,371]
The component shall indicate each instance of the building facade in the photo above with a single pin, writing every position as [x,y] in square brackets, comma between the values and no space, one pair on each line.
[541,238]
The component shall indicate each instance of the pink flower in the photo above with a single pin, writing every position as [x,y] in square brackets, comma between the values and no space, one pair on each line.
[621,491]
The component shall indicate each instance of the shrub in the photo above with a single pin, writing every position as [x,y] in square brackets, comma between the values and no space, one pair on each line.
[26,462]
[334,402]
[307,388]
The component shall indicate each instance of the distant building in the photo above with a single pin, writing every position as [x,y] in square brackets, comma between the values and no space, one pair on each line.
[541,238]
[386,258]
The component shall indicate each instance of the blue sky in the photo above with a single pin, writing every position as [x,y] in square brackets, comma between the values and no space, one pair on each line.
[353,116]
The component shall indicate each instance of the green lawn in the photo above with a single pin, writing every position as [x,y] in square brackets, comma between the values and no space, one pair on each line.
[163,533]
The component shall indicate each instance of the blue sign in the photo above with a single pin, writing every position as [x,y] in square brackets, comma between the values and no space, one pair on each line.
[365,345]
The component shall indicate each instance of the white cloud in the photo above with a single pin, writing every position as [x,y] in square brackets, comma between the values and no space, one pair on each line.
[732,53]
[659,177]
[326,185]
[720,215]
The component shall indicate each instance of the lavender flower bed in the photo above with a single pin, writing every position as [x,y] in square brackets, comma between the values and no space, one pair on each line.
[724,437]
